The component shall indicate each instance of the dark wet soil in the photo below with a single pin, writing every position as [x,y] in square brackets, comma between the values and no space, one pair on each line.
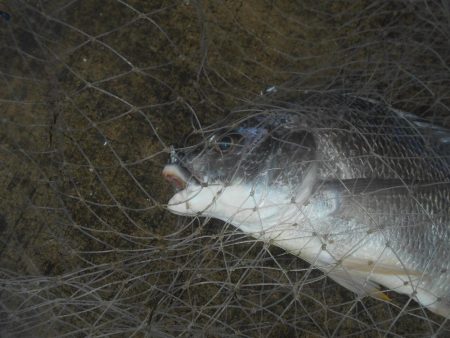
[91,97]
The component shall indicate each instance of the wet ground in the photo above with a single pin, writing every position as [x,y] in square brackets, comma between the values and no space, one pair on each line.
[91,97]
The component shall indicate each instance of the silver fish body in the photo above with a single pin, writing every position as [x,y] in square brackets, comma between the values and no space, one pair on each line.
[354,187]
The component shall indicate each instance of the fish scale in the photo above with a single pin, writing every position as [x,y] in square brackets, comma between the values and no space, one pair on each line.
[359,190]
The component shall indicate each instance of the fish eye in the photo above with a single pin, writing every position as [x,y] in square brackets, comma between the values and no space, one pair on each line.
[226,143]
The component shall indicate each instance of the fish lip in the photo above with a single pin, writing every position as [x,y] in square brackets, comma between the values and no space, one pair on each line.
[179,176]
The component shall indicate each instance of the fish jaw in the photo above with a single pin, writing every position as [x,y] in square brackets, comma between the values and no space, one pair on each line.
[251,208]
[176,175]
[234,204]
[213,200]
[194,200]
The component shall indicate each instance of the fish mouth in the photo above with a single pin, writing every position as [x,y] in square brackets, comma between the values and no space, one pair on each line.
[179,176]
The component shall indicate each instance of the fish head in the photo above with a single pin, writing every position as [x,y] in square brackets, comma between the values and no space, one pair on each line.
[259,161]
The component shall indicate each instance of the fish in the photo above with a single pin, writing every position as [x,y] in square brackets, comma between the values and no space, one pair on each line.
[353,186]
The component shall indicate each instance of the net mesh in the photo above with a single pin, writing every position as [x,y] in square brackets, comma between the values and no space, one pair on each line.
[94,93]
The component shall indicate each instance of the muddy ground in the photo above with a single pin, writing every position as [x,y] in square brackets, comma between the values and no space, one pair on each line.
[93,93]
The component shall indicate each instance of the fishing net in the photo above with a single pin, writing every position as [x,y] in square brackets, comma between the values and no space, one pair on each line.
[94,94]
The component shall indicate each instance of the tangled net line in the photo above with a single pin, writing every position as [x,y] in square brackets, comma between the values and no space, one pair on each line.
[93,95]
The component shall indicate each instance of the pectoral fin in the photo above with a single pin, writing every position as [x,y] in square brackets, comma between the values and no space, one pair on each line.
[386,268]
[358,283]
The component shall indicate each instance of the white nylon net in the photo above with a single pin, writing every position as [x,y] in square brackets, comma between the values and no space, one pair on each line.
[92,96]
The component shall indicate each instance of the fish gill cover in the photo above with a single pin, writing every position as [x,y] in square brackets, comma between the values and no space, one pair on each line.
[98,97]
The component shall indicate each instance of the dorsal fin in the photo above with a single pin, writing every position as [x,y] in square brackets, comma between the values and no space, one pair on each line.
[437,136]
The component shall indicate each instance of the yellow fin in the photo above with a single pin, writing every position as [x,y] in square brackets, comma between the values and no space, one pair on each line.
[381,295]
[383,268]
[358,283]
